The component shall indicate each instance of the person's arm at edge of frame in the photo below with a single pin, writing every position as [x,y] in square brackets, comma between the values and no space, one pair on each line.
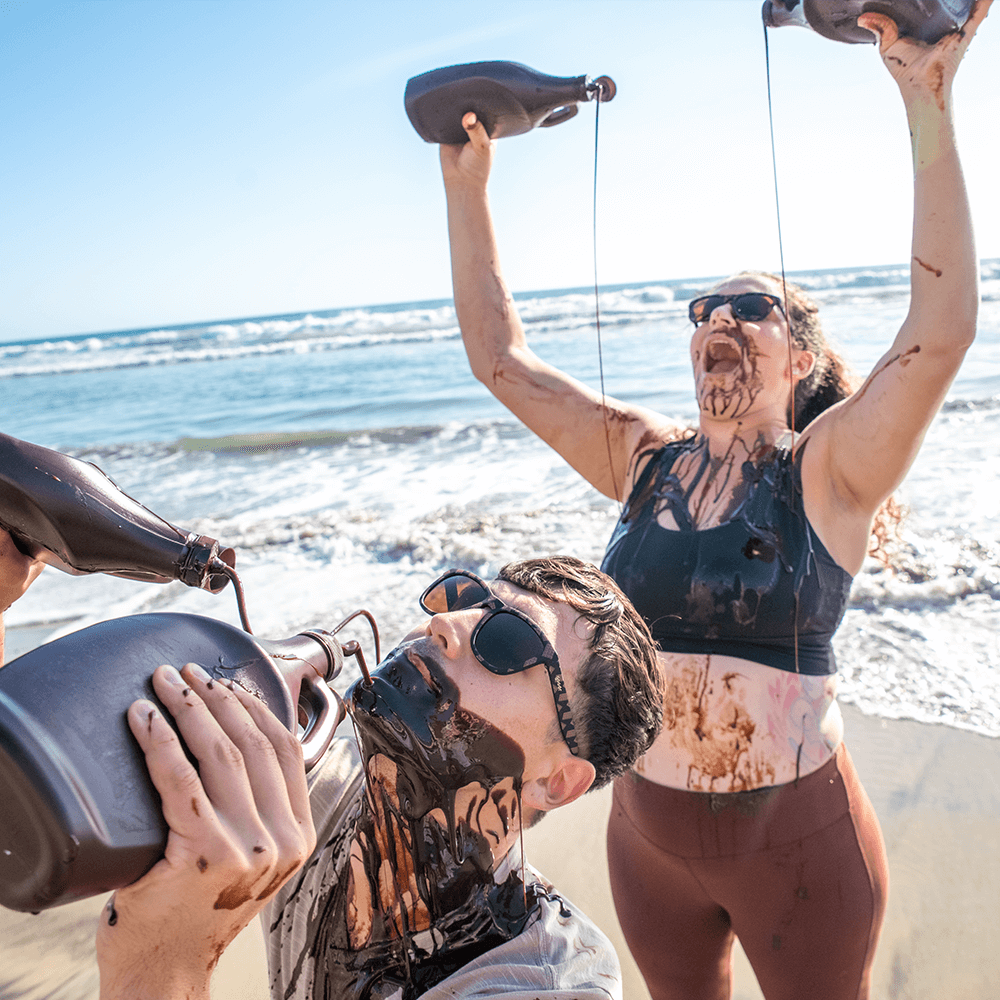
[240,826]
[861,449]
[563,412]
[17,573]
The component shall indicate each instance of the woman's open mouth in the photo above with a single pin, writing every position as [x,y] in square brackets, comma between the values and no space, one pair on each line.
[722,357]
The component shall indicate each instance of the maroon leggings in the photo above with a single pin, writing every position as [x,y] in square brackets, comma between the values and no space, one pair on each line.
[797,872]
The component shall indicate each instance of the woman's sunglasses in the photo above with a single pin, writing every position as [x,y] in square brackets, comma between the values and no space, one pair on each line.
[505,641]
[750,306]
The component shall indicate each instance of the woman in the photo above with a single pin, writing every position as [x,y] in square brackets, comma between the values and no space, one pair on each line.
[738,545]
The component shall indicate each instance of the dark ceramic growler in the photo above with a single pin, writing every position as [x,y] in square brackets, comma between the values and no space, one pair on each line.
[926,20]
[70,514]
[508,98]
[78,813]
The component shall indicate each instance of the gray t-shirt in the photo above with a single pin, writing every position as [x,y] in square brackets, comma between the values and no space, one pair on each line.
[559,954]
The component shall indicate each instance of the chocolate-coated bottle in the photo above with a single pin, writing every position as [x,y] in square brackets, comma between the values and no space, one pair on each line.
[926,20]
[507,97]
[78,813]
[70,514]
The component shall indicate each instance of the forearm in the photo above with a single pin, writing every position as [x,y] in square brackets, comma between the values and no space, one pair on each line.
[944,270]
[490,325]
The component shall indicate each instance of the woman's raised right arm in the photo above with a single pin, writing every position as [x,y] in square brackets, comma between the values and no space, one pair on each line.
[563,412]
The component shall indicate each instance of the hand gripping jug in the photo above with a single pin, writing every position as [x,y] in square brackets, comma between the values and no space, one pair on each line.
[78,812]
[927,20]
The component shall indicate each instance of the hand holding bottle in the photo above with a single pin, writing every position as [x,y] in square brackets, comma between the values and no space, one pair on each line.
[922,70]
[471,162]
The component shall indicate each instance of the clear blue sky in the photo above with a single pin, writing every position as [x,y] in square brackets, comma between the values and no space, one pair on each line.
[169,162]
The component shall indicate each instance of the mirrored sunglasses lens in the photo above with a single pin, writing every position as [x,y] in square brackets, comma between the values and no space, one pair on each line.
[454,593]
[701,309]
[753,306]
[507,643]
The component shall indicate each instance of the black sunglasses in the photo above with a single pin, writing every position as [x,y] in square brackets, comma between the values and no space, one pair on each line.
[750,306]
[505,641]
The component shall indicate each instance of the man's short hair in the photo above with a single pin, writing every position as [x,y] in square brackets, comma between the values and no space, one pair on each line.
[617,700]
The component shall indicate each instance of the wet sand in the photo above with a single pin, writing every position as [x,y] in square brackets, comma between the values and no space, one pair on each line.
[937,794]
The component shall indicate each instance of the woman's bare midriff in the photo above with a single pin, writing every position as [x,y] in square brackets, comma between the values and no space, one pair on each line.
[731,725]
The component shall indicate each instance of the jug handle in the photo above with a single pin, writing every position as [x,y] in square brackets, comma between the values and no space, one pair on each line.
[328,711]
[559,116]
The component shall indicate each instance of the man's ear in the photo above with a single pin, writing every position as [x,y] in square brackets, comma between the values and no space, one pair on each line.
[567,781]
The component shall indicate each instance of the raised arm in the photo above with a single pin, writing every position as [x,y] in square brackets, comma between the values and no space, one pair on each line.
[564,412]
[860,451]
[239,827]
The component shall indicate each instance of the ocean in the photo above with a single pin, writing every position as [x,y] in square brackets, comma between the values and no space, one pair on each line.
[349,456]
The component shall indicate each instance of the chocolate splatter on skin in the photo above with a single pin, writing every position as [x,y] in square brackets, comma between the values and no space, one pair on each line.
[937,85]
[927,267]
[220,947]
[234,896]
[258,849]
[203,866]
[149,721]
[112,912]
[719,753]
[276,881]
[903,359]
[194,807]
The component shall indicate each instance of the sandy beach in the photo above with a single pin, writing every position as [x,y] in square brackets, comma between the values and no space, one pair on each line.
[937,794]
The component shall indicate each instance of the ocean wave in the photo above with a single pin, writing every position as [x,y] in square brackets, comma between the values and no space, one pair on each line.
[452,434]
[366,326]
[987,405]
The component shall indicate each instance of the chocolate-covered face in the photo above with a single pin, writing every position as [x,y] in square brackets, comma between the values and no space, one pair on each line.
[741,365]
[412,713]
[443,785]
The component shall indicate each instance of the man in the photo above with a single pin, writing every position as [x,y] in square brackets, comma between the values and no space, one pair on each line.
[510,700]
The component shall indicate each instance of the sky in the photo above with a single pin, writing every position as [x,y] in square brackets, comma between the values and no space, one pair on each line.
[171,162]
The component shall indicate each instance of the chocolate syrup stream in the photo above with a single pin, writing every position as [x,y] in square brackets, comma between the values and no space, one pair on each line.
[222,567]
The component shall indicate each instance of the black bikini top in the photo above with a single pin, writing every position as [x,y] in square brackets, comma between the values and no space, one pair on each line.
[762,586]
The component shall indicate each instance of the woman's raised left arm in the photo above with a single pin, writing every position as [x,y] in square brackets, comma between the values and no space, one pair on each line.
[862,449]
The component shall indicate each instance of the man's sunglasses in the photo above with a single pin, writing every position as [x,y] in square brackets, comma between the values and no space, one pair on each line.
[750,306]
[505,641]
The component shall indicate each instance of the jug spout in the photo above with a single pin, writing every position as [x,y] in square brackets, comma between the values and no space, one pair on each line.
[784,13]
[306,662]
